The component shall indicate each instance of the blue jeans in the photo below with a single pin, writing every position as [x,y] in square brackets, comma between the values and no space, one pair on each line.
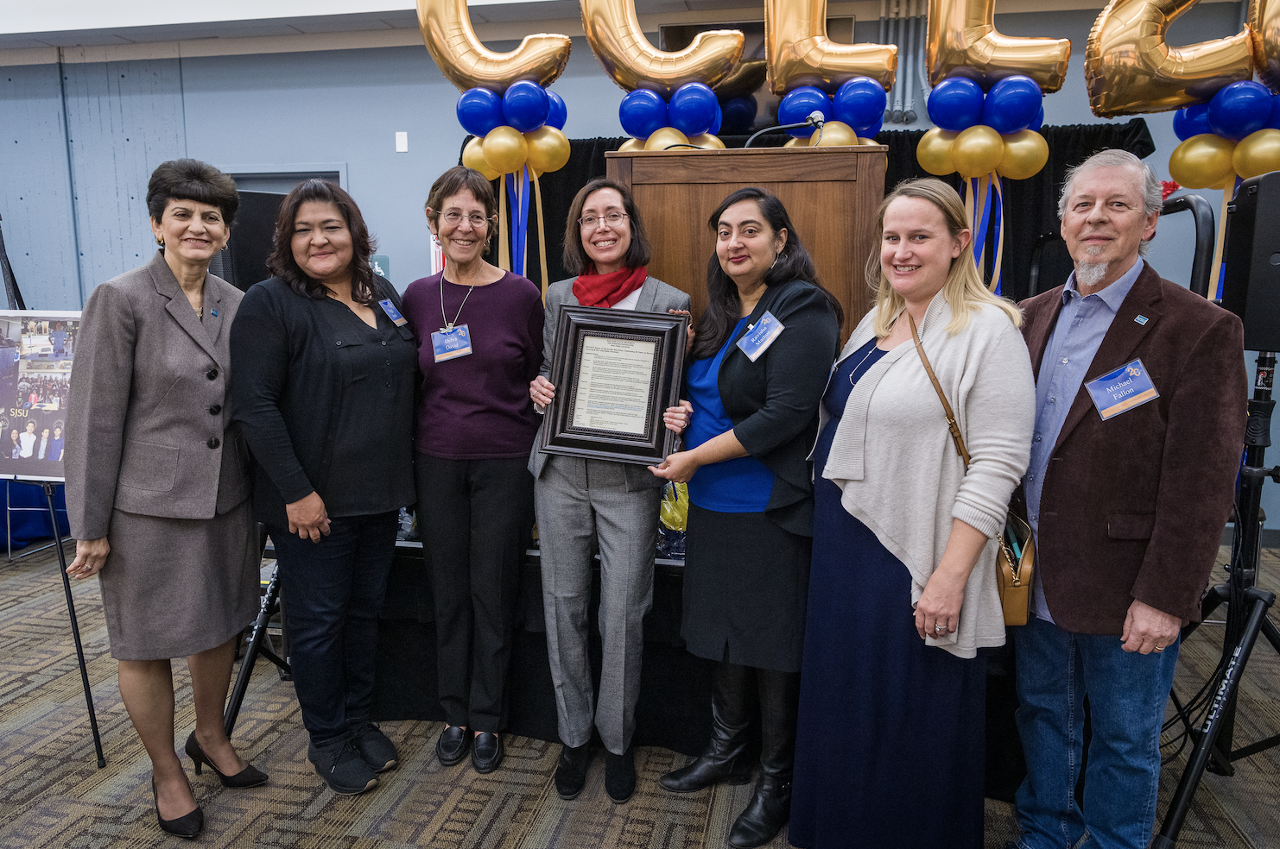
[1127,693]
[332,593]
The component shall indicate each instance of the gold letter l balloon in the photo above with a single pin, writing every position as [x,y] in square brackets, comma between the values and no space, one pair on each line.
[1130,68]
[799,52]
[962,34]
[615,36]
[467,63]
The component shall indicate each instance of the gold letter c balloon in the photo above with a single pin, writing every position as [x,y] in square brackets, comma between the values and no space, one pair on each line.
[962,34]
[799,52]
[616,38]
[467,63]
[1130,68]
[1264,22]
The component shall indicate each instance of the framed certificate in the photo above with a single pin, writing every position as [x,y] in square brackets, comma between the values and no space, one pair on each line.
[615,372]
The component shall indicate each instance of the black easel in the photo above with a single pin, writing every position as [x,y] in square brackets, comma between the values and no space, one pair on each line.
[1247,607]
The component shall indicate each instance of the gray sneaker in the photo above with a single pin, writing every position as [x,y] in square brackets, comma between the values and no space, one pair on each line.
[377,751]
[342,767]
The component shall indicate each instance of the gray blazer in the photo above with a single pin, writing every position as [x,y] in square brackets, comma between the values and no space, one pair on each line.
[655,296]
[148,425]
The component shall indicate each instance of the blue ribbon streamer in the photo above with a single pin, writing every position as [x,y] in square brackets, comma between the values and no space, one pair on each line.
[997,215]
[519,197]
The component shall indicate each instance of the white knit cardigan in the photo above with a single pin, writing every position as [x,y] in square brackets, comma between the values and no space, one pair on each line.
[895,462]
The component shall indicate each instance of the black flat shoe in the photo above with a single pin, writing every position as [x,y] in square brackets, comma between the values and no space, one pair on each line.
[452,744]
[571,770]
[187,825]
[620,775]
[250,776]
[486,752]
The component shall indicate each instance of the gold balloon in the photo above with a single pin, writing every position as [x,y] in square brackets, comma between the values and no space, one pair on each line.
[505,149]
[1130,68]
[473,157]
[800,53]
[632,144]
[1257,153]
[1264,29]
[962,35]
[1025,153]
[833,134]
[868,142]
[617,39]
[794,142]
[548,149]
[977,151]
[664,137]
[936,152]
[706,141]
[746,79]
[467,63]
[1202,161]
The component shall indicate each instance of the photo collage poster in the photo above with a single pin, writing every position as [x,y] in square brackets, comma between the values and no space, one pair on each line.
[36,352]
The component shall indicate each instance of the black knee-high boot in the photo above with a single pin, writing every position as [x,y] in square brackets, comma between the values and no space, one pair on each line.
[770,805]
[725,757]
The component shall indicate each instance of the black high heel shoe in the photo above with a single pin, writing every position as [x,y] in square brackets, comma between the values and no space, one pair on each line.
[187,825]
[250,776]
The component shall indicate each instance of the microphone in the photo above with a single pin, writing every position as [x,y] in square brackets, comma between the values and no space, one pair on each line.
[816,118]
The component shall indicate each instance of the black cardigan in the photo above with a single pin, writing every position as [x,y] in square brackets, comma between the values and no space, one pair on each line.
[288,395]
[773,402]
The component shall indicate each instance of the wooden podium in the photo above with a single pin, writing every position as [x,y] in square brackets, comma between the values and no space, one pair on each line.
[831,194]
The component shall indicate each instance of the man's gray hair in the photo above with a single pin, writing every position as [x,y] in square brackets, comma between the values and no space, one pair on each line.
[1152,193]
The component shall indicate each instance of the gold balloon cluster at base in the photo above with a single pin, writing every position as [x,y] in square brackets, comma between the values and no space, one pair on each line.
[832,134]
[980,150]
[1209,161]
[505,150]
[665,137]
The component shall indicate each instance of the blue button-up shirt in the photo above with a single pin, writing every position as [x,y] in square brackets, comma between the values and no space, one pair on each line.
[1074,341]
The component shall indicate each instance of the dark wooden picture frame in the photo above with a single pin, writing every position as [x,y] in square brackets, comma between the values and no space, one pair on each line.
[572,429]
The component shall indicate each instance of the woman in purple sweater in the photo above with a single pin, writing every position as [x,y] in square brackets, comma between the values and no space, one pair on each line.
[479,332]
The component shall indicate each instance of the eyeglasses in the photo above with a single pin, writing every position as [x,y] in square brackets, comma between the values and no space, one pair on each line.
[453,218]
[613,219]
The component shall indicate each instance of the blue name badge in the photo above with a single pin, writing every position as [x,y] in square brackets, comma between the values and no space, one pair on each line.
[451,343]
[761,335]
[392,313]
[1123,389]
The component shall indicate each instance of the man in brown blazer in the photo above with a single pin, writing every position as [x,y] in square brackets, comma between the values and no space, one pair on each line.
[1140,413]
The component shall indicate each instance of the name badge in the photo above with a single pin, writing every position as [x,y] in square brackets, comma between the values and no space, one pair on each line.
[761,335]
[1123,389]
[392,313]
[451,343]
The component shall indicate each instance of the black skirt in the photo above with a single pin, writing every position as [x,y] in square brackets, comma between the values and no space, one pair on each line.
[746,584]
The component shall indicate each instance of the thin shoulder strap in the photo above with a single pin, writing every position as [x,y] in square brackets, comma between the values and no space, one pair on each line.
[951,416]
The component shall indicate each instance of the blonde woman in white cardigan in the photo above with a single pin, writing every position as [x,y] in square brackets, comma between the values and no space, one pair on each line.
[902,592]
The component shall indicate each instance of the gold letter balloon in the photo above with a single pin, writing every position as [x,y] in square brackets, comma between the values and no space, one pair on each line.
[615,36]
[467,63]
[1264,22]
[1129,67]
[799,52]
[962,38]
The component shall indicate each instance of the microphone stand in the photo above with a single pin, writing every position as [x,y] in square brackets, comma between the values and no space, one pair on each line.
[811,121]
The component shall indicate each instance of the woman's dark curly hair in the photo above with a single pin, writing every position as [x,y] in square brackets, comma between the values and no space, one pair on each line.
[724,308]
[282,264]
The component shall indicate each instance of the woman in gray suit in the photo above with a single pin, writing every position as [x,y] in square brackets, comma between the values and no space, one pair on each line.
[157,482]
[582,502]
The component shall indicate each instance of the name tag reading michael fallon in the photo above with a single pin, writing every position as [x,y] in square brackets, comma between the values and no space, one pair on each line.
[615,378]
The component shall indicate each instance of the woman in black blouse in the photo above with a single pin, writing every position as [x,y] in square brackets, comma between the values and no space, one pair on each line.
[324,372]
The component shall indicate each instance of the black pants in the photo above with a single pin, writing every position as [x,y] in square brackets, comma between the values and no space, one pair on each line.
[475,517]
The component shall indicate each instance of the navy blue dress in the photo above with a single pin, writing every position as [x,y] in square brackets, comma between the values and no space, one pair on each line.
[890,744]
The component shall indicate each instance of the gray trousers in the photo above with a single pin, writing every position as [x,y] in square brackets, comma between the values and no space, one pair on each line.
[578,501]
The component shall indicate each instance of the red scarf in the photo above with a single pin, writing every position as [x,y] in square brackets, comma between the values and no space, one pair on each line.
[605,290]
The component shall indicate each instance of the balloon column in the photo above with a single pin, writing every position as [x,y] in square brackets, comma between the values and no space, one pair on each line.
[691,117]
[985,136]
[853,115]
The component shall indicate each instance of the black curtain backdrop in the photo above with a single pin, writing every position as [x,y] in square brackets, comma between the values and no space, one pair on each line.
[1030,210]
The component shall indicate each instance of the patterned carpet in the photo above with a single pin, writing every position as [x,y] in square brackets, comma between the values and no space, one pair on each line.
[52,794]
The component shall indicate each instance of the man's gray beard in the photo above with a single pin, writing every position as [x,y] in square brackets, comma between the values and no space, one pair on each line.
[1090,274]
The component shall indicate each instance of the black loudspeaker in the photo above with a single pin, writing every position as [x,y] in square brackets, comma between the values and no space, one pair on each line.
[1251,287]
[245,260]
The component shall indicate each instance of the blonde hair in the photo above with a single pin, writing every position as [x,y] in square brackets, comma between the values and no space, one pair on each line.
[963,290]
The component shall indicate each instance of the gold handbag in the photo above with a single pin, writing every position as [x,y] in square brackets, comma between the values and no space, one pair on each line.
[1016,550]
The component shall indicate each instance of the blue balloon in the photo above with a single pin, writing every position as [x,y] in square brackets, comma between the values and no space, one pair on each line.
[479,111]
[715,126]
[955,104]
[1038,122]
[642,112]
[739,115]
[1191,121]
[1239,109]
[797,105]
[1012,104]
[872,131]
[1273,121]
[525,105]
[558,112]
[692,110]
[860,103]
